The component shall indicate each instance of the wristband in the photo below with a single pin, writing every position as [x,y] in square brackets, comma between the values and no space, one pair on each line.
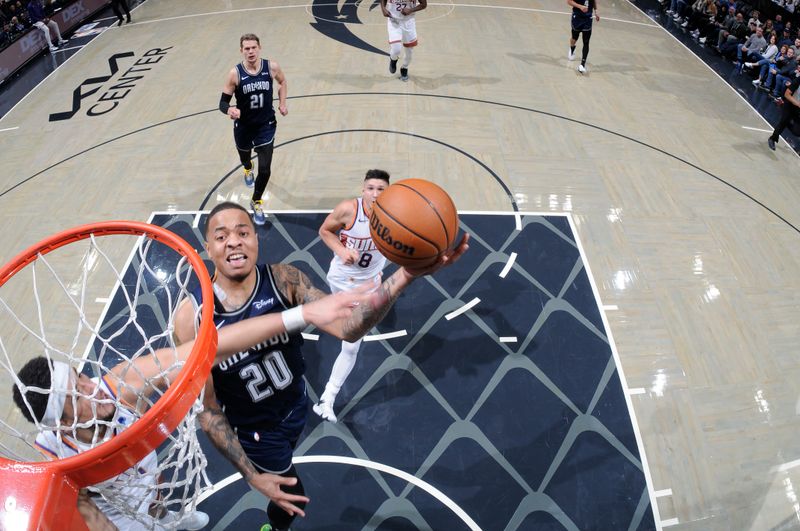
[293,319]
[225,102]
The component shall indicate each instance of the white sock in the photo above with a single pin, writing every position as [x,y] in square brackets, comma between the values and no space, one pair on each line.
[407,60]
[342,367]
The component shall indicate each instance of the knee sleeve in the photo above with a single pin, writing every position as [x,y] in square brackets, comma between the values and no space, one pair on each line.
[586,36]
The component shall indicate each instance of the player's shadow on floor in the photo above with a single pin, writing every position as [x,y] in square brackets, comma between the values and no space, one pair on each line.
[432,83]
[619,62]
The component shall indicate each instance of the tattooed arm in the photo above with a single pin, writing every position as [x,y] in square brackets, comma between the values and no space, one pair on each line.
[215,424]
[95,519]
[298,288]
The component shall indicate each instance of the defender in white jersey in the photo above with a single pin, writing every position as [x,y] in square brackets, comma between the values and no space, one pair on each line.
[356,260]
[402,27]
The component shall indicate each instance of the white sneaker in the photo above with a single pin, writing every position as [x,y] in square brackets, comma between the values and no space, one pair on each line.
[581,69]
[325,410]
[756,82]
[571,55]
[685,24]
[191,521]
[702,40]
[53,49]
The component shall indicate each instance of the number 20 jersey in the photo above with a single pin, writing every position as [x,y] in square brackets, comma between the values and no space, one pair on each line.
[258,387]
[254,95]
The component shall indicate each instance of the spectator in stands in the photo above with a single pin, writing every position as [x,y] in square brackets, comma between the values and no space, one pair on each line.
[16,27]
[754,21]
[778,25]
[47,26]
[786,38]
[765,56]
[751,48]
[796,47]
[783,65]
[5,35]
[721,26]
[783,78]
[767,64]
[728,39]
[701,19]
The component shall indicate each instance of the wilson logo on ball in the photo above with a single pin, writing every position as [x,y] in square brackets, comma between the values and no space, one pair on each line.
[384,233]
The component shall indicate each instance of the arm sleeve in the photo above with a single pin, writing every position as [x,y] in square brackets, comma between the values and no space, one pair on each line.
[225,102]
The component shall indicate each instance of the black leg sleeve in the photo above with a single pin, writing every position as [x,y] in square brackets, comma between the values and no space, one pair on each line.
[278,518]
[585,53]
[264,170]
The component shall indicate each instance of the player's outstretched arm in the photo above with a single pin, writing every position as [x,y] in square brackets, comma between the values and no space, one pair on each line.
[299,290]
[219,431]
[156,370]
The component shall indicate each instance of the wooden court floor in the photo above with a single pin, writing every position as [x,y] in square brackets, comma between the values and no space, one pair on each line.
[688,220]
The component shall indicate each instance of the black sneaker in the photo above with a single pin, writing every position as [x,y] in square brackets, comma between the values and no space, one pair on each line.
[392,66]
[771,143]
[404,74]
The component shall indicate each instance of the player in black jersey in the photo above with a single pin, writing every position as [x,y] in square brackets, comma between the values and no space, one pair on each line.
[582,25]
[256,404]
[252,82]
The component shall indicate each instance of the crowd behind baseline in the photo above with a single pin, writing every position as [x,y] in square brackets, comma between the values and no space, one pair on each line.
[765,49]
[17,17]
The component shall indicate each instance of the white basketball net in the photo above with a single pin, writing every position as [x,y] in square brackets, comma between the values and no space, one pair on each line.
[46,310]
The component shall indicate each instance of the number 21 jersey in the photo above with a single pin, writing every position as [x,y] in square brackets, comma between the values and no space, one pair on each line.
[254,95]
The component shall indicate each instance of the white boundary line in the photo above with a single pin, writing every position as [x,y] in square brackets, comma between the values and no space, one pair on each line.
[714,71]
[610,307]
[509,264]
[508,339]
[9,128]
[380,467]
[388,335]
[626,390]
[757,129]
[787,466]
[664,492]
[463,309]
[637,391]
[670,522]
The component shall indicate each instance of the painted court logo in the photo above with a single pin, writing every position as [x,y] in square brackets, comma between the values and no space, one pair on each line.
[114,94]
[385,234]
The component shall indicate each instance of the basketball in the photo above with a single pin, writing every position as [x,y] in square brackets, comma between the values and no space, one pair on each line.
[413,222]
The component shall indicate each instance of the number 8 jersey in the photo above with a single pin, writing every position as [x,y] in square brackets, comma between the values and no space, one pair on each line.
[254,95]
[260,386]
[370,261]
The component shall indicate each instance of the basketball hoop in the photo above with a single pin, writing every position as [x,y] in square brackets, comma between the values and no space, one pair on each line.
[43,495]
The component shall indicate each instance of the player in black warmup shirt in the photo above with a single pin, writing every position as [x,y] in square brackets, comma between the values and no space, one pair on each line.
[582,25]
[252,82]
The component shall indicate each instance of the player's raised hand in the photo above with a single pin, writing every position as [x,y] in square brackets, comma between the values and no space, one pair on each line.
[448,258]
[270,486]
[348,256]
